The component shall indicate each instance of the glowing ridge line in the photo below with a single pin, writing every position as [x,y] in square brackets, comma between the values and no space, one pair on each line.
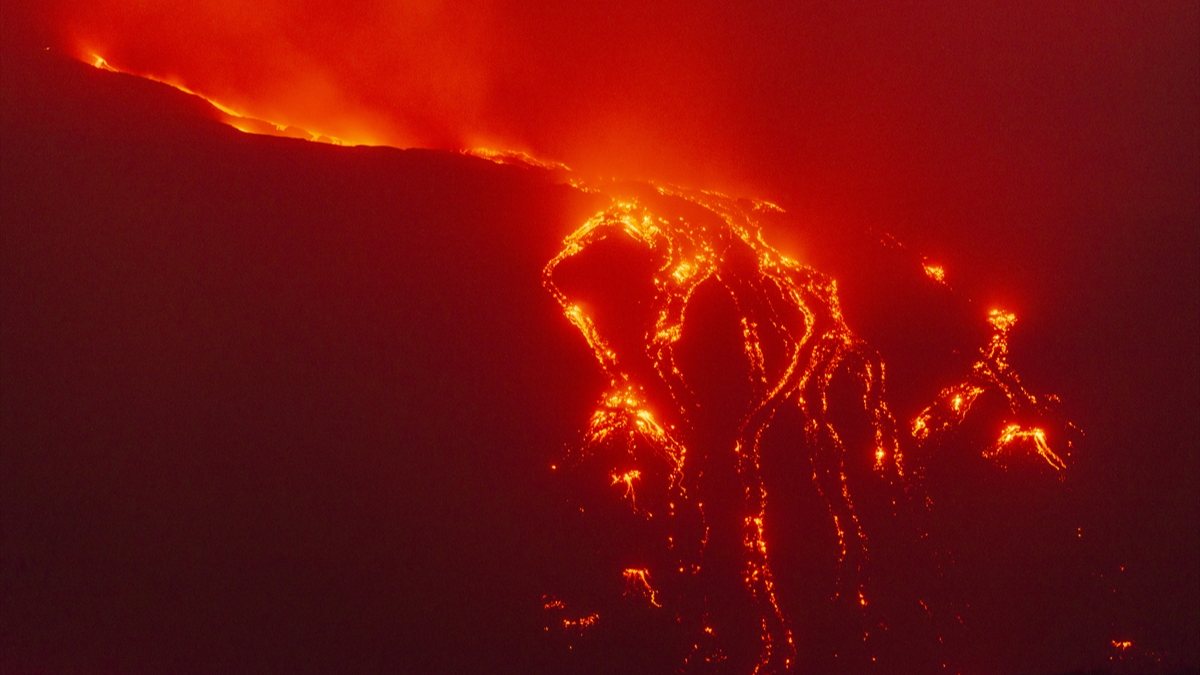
[243,122]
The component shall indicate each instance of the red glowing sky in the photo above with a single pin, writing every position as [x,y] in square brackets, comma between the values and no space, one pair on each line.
[968,122]
[837,99]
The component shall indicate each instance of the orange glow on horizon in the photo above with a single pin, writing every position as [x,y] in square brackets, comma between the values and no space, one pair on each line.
[239,120]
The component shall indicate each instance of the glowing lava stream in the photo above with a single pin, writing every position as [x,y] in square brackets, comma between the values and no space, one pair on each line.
[993,372]
[781,303]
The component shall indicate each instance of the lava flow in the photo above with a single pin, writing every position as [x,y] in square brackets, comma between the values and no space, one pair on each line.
[796,346]
[993,372]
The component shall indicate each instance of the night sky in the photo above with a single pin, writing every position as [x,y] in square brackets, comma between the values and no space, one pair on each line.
[269,405]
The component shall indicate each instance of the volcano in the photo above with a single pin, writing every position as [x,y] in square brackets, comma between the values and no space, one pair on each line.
[279,405]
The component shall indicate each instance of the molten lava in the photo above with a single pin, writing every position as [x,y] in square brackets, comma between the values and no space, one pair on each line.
[992,372]
[934,272]
[795,343]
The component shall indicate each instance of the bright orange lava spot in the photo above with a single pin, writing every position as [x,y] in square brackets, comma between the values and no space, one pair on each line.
[1001,319]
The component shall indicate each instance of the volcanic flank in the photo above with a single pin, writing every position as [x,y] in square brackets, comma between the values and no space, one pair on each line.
[277,405]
